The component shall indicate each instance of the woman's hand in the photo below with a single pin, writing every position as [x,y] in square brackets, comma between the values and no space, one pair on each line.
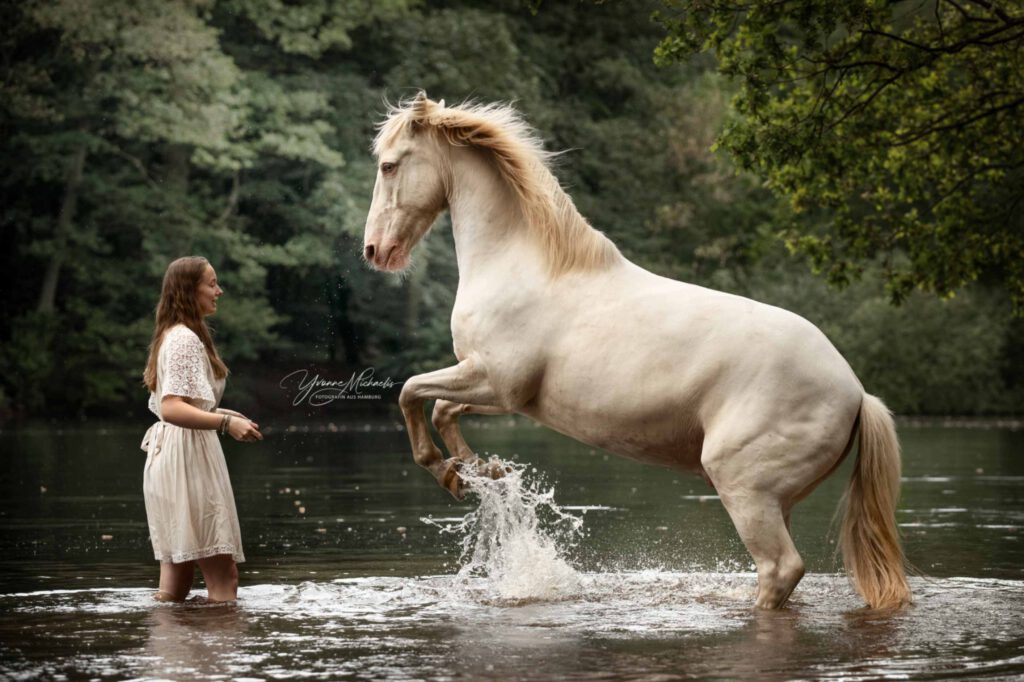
[242,429]
[224,410]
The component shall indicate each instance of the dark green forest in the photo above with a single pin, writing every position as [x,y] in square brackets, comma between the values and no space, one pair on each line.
[133,133]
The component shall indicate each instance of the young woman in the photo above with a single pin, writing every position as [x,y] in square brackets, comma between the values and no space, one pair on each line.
[189,503]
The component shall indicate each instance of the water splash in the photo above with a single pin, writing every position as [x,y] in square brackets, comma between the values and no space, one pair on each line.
[517,538]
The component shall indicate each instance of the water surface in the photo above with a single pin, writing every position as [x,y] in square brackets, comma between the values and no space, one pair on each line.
[346,580]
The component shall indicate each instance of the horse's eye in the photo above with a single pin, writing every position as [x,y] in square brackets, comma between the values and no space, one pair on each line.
[388,167]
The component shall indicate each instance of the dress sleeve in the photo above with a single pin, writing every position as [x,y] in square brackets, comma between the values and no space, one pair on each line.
[183,362]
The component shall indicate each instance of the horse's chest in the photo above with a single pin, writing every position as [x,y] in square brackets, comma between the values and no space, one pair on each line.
[488,330]
[464,332]
[505,346]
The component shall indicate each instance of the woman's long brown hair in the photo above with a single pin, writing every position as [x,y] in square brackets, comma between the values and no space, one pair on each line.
[179,305]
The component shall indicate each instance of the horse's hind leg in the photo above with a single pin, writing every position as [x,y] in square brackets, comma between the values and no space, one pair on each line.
[760,471]
[758,499]
[762,525]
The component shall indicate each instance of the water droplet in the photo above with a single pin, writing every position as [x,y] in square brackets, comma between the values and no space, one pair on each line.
[517,536]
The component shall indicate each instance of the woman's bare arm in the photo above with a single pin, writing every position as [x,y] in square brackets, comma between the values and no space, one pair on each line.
[233,413]
[178,411]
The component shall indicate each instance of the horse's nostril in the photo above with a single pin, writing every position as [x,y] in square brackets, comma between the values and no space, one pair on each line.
[368,252]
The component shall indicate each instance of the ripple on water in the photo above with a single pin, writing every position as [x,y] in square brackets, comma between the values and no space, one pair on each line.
[402,627]
[517,609]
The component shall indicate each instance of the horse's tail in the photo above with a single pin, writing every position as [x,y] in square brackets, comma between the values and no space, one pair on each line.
[870,542]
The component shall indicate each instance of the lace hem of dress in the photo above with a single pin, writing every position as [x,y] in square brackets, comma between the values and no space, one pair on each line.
[181,557]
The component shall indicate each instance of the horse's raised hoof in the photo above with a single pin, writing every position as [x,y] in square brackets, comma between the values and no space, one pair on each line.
[493,468]
[450,479]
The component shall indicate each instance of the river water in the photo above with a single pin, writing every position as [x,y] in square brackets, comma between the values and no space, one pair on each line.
[578,565]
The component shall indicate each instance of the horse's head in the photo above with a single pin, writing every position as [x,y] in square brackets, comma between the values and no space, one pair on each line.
[410,188]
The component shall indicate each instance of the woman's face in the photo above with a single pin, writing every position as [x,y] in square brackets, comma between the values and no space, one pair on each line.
[209,291]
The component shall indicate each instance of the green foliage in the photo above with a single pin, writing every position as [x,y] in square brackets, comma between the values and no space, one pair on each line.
[894,128]
[464,52]
[26,360]
[132,133]
[312,27]
[140,132]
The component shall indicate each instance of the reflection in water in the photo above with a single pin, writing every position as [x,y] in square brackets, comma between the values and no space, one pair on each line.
[189,640]
[767,645]
[876,636]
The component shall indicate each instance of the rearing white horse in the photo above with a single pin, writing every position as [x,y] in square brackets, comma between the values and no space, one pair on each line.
[552,322]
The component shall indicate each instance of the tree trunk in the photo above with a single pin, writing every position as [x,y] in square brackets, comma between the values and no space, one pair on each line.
[176,167]
[48,293]
[179,224]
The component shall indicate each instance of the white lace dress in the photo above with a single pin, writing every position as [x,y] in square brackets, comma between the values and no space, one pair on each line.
[189,502]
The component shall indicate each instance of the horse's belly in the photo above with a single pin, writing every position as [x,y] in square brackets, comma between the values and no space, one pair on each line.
[653,436]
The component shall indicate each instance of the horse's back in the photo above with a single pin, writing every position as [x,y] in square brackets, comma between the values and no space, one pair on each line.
[772,367]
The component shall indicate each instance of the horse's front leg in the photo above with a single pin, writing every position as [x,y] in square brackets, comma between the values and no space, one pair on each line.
[446,421]
[465,383]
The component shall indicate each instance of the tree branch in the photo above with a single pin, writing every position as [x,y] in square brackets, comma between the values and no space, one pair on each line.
[979,39]
[136,163]
[861,105]
[998,11]
[967,16]
[931,130]
[232,201]
[968,177]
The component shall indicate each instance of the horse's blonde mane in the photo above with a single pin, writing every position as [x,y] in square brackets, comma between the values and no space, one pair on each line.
[570,243]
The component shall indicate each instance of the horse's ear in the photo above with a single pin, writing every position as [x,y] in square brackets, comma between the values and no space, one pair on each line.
[420,106]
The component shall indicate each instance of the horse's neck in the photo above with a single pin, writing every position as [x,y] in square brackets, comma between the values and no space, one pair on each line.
[487,223]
